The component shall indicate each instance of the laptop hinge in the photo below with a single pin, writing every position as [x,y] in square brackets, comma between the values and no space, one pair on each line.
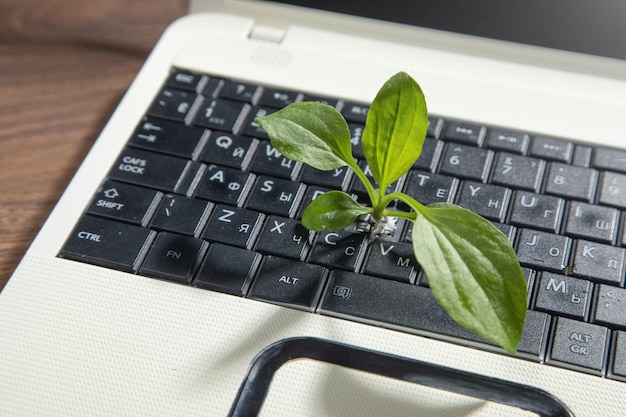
[266,33]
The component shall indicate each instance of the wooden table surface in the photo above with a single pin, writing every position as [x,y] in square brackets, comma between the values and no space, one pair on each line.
[64,65]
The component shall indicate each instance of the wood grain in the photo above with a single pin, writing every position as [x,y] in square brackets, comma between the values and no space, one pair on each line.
[64,65]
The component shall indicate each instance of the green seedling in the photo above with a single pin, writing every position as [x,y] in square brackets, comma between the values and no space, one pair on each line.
[472,269]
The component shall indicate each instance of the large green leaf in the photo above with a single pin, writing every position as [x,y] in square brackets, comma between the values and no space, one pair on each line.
[472,271]
[310,132]
[334,210]
[395,129]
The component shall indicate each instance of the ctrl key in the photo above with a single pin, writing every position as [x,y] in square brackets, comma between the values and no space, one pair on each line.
[106,243]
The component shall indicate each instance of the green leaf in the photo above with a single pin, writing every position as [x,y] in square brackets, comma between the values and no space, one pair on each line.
[310,132]
[334,210]
[472,271]
[395,129]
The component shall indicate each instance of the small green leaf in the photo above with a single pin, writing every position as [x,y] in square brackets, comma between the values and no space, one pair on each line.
[472,271]
[313,133]
[395,129]
[334,210]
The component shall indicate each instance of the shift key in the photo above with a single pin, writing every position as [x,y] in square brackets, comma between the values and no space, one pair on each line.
[106,242]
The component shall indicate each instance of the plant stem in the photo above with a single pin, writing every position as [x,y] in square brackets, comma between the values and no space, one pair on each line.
[415,205]
[394,213]
[371,192]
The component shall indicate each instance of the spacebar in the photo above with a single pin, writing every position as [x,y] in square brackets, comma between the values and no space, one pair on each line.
[391,304]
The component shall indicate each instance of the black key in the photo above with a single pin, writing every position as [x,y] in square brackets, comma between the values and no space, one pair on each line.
[268,160]
[393,260]
[172,257]
[324,100]
[336,179]
[431,151]
[227,269]
[489,201]
[529,276]
[466,162]
[358,188]
[582,156]
[168,137]
[465,133]
[212,86]
[435,127]
[619,359]
[394,304]
[552,148]
[275,196]
[312,193]
[172,104]
[538,211]
[224,185]
[579,345]
[593,222]
[610,159]
[251,128]
[287,282]
[542,250]
[148,168]
[612,190]
[533,339]
[355,112]
[107,243]
[571,181]
[229,150]
[181,215]
[517,171]
[563,295]
[244,92]
[507,230]
[188,181]
[599,262]
[508,141]
[124,202]
[220,114]
[184,80]
[611,306]
[233,226]
[339,249]
[388,303]
[284,237]
[273,97]
[356,135]
[430,188]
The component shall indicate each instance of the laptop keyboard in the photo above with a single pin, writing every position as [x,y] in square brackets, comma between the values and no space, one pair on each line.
[200,197]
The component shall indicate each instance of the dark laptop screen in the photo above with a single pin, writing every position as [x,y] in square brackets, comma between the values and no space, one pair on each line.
[595,27]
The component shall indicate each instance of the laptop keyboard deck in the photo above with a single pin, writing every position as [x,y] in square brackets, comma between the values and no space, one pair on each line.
[200,197]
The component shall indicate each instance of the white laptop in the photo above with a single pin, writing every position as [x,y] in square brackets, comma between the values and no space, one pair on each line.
[165,281]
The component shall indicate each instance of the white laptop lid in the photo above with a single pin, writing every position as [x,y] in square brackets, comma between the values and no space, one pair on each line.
[575,49]
[77,339]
